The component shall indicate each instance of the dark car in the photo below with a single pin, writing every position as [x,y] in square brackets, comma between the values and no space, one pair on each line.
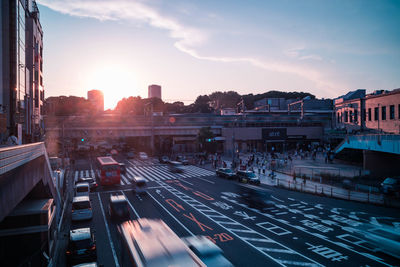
[164,159]
[118,207]
[130,155]
[225,173]
[247,177]
[122,168]
[81,247]
[391,186]
[254,196]
[90,180]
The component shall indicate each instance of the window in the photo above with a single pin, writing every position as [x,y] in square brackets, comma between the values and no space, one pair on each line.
[384,113]
[351,116]
[369,114]
[355,115]
[346,116]
[398,111]
[391,112]
[376,113]
[364,115]
[338,117]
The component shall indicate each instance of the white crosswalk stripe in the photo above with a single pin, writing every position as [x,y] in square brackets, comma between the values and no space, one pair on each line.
[149,172]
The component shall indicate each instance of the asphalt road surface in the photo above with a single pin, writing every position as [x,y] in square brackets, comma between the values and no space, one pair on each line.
[290,229]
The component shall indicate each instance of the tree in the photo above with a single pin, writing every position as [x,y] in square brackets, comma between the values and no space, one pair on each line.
[224,99]
[205,137]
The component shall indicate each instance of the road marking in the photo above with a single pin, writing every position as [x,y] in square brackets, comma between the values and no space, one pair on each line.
[184,227]
[277,199]
[205,180]
[108,232]
[273,228]
[137,215]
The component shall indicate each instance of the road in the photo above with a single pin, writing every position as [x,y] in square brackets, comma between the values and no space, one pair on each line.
[292,229]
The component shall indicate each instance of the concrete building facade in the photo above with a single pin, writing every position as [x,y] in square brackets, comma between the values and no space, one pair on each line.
[154,91]
[96,97]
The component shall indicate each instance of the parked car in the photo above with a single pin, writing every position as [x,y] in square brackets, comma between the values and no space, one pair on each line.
[391,186]
[176,166]
[82,189]
[81,209]
[139,185]
[225,173]
[118,207]
[244,176]
[81,246]
[164,159]
[182,159]
[122,168]
[143,156]
[209,253]
[90,180]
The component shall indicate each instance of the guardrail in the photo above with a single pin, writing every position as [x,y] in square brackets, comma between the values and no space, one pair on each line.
[376,142]
[14,156]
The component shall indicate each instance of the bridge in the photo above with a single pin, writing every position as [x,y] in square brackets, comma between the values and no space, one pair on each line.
[381,152]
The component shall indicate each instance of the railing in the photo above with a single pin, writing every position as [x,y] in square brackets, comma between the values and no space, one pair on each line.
[376,142]
[14,156]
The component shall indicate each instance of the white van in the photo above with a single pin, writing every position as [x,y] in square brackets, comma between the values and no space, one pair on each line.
[81,209]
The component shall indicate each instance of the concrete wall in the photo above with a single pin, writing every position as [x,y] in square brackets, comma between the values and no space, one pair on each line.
[381,164]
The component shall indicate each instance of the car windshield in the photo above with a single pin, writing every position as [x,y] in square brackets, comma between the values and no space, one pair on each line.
[390,181]
[228,170]
[120,205]
[82,189]
[251,175]
[81,205]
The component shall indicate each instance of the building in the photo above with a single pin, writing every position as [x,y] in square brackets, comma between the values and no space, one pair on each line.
[96,97]
[377,112]
[21,85]
[272,104]
[154,91]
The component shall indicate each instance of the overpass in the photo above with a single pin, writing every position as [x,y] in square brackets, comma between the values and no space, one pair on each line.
[381,152]
[30,204]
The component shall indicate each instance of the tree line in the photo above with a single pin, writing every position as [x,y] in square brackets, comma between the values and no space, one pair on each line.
[135,105]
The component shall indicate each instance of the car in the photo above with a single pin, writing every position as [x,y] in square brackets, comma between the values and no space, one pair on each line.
[176,166]
[87,264]
[209,253]
[82,189]
[391,186]
[122,168]
[81,209]
[90,180]
[164,159]
[118,207]
[130,155]
[143,156]
[81,246]
[108,155]
[225,173]
[139,185]
[182,159]
[244,176]
[254,196]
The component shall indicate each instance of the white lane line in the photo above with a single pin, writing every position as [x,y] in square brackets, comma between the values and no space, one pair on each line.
[144,174]
[137,215]
[277,199]
[163,175]
[87,173]
[124,179]
[184,227]
[181,180]
[205,180]
[137,173]
[76,176]
[108,232]
[153,172]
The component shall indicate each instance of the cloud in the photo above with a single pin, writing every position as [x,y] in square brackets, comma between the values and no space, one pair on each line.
[187,38]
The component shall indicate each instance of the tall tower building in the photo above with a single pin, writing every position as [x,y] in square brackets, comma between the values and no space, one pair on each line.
[21,81]
[154,91]
[96,97]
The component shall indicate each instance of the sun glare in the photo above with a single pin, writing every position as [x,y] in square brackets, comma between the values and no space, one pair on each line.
[115,82]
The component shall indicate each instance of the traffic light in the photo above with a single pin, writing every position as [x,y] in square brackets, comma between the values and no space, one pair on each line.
[83,139]
[208,140]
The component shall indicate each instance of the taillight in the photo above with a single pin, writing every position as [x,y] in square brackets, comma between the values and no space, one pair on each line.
[73,210]
[68,252]
[93,247]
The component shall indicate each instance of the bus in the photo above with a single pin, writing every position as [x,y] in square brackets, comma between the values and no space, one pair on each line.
[108,171]
[150,242]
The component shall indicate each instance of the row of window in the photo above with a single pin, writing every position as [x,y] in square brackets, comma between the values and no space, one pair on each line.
[350,116]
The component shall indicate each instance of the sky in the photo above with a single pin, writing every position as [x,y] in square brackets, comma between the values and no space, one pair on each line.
[192,48]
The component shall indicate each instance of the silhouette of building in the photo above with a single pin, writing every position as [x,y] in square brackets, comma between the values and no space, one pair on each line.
[96,97]
[154,91]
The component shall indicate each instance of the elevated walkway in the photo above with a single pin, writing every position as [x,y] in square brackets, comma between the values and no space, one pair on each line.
[388,143]
[25,170]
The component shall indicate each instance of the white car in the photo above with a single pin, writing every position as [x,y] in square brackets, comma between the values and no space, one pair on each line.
[82,189]
[143,156]
[81,209]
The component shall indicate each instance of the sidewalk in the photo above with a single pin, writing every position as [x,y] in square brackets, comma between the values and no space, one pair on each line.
[283,180]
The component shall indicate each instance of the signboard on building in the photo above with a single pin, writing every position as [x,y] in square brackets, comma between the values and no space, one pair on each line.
[274,133]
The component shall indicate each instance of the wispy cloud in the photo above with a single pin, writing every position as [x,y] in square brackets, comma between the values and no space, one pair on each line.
[188,39]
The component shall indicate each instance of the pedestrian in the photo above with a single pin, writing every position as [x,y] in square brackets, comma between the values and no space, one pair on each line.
[264,167]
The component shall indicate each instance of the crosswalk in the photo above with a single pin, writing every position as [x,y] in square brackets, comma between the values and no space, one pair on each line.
[152,173]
